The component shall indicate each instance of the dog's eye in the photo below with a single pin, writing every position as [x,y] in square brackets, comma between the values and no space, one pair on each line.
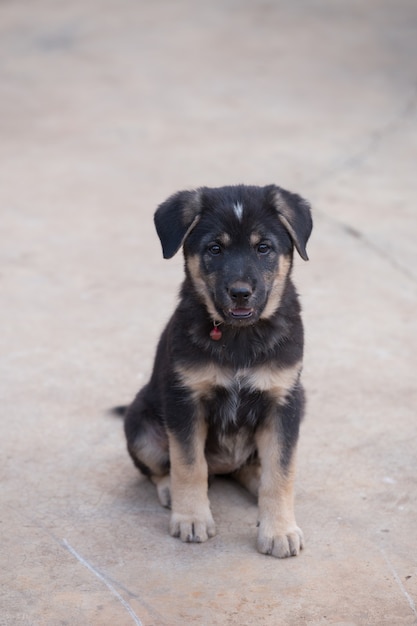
[214,249]
[263,248]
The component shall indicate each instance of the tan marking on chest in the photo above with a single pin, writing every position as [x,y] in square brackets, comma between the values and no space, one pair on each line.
[202,380]
[265,378]
[272,378]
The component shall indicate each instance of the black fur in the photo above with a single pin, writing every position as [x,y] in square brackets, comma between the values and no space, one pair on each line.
[231,263]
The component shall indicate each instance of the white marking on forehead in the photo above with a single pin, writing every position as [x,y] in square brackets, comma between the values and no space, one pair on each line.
[238,209]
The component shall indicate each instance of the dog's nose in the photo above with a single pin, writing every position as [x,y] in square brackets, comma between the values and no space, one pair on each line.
[240,292]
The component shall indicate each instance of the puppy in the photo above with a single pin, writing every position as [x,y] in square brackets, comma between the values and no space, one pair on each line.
[225,395]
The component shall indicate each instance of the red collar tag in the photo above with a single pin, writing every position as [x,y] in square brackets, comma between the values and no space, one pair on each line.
[215,333]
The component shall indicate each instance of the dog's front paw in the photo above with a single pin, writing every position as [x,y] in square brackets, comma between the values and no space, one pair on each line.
[192,528]
[280,544]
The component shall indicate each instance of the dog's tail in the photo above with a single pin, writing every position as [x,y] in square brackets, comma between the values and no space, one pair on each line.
[118,411]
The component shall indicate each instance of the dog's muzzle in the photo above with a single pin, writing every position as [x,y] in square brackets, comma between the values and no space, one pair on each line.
[241,307]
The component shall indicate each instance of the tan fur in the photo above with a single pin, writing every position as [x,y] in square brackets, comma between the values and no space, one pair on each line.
[191,518]
[286,217]
[163,488]
[278,533]
[203,379]
[277,380]
[277,289]
[255,238]
[200,283]
[191,210]
[151,453]
[285,213]
[225,239]
[249,476]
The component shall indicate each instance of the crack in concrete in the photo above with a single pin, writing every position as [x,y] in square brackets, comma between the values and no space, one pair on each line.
[399,582]
[354,233]
[374,140]
[353,162]
[382,253]
[103,579]
[110,582]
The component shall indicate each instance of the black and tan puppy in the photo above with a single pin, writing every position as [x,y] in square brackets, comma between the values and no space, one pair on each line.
[225,395]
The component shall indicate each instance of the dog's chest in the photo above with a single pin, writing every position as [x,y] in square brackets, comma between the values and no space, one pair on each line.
[233,413]
[234,403]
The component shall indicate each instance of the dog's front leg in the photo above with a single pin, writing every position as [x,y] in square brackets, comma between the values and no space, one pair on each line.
[278,532]
[191,518]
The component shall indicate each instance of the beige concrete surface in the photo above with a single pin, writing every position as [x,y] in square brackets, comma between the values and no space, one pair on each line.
[106,107]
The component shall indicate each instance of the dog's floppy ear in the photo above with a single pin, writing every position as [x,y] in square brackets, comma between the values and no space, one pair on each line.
[175,218]
[295,214]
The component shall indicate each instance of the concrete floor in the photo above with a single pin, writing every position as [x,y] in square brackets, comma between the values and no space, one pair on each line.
[107,107]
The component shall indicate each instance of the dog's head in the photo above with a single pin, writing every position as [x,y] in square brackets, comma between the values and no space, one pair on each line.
[238,245]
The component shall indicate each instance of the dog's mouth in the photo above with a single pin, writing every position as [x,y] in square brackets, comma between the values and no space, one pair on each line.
[241,313]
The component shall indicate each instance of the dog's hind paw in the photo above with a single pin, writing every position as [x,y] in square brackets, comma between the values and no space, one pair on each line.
[163,487]
[281,545]
[192,528]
